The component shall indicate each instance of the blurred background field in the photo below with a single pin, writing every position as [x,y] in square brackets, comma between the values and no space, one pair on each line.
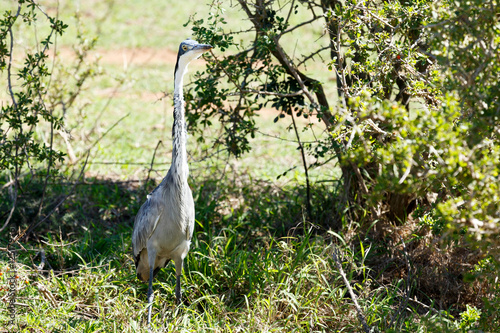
[133,60]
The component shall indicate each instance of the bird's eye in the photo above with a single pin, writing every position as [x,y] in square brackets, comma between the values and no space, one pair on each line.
[184,47]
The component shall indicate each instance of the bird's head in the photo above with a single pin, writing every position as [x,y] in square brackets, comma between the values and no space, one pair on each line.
[191,49]
[188,51]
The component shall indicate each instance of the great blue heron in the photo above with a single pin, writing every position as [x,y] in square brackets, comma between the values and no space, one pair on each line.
[164,225]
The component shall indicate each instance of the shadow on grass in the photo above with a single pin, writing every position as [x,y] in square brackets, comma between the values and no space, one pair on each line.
[252,239]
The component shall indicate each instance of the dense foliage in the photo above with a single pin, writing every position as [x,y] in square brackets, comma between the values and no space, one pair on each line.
[414,123]
[40,92]
[19,149]
[415,120]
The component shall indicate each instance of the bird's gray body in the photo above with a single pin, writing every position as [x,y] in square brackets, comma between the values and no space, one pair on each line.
[164,224]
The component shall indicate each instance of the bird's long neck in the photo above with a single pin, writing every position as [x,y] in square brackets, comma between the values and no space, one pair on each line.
[179,167]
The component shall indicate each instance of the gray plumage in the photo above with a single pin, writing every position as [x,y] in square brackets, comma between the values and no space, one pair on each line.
[164,224]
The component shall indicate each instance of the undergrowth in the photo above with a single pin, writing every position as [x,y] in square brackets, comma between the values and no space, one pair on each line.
[257,264]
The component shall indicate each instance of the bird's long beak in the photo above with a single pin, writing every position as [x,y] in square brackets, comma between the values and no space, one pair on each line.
[204,47]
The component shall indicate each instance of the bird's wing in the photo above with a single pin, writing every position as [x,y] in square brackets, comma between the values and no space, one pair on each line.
[145,223]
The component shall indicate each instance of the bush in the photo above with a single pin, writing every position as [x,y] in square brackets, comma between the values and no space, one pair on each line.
[416,115]
[33,136]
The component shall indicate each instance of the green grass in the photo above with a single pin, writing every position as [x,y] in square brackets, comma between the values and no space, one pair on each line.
[258,263]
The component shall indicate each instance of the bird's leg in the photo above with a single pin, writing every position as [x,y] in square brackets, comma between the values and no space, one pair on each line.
[150,295]
[178,289]
[178,272]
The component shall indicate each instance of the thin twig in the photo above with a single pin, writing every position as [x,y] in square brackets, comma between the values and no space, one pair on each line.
[11,210]
[291,68]
[289,13]
[11,92]
[219,150]
[299,25]
[351,292]
[44,190]
[152,163]
[308,188]
[424,305]
[55,245]
[404,302]
[96,121]
[340,61]
[9,66]
[312,55]
[280,138]
[271,93]
[34,225]
[103,135]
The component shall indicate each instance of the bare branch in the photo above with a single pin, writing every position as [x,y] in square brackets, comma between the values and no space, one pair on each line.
[270,93]
[152,163]
[11,92]
[293,71]
[304,162]
[313,54]
[11,48]
[299,25]
[34,225]
[338,264]
[104,134]
[289,12]
[12,209]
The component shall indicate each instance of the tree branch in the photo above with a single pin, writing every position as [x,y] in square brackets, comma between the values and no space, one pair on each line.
[301,78]
[361,317]
[304,162]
